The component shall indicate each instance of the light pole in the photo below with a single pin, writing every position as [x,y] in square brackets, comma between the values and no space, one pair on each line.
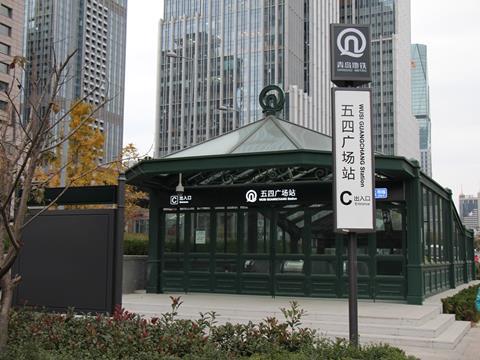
[227,110]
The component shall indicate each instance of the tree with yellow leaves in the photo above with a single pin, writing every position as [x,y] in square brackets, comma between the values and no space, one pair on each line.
[85,151]
[85,146]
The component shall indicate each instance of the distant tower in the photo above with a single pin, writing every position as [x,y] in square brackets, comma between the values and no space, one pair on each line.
[469,207]
[216,56]
[97,30]
[421,104]
[395,128]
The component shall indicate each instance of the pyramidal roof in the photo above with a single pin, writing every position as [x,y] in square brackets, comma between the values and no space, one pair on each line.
[266,135]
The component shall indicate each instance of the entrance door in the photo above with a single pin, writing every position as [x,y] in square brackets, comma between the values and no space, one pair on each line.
[273,251]
[365,265]
[257,247]
[289,251]
[380,256]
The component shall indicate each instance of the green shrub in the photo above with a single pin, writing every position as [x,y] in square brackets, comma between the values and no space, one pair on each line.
[135,244]
[46,336]
[463,305]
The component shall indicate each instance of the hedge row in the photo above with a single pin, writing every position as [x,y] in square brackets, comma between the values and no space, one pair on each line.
[463,305]
[135,244]
[40,335]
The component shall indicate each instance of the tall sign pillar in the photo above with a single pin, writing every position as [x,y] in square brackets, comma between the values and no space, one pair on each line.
[353,158]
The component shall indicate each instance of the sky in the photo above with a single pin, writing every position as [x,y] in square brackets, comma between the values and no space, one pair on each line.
[451,35]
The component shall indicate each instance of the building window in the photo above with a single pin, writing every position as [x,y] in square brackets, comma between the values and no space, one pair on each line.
[5,30]
[3,68]
[6,11]
[4,49]
[3,86]
[3,105]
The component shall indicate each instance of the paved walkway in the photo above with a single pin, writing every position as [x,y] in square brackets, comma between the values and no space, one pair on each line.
[239,308]
[467,349]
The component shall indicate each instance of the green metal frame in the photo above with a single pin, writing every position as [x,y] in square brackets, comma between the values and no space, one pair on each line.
[420,280]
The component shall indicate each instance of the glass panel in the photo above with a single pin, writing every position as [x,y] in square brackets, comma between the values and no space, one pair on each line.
[436,249]
[362,244]
[226,232]
[200,232]
[425,224]
[226,265]
[174,264]
[267,138]
[323,267]
[220,145]
[431,226]
[443,247]
[290,232]
[174,232]
[362,268]
[389,267]
[258,232]
[323,237]
[290,266]
[200,264]
[390,233]
[308,139]
[257,266]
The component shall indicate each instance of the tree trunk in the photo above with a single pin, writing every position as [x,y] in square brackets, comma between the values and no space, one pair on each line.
[7,286]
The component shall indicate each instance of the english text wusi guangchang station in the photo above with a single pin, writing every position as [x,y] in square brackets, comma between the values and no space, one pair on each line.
[256,217]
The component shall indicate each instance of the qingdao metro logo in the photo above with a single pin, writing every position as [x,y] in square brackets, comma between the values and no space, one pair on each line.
[351,42]
[251,196]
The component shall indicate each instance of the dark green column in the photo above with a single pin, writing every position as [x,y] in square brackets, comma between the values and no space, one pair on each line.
[415,288]
[154,246]
[466,253]
[450,239]
[471,242]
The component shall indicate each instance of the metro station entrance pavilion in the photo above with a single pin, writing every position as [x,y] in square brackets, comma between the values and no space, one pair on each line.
[253,215]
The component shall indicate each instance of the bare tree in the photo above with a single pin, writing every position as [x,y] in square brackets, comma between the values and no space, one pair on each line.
[24,145]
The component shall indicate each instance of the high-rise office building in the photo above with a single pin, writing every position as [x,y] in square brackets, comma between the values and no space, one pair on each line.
[469,211]
[11,44]
[215,56]
[395,127]
[96,30]
[421,104]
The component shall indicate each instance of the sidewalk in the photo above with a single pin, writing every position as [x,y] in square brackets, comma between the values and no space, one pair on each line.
[467,349]
[421,331]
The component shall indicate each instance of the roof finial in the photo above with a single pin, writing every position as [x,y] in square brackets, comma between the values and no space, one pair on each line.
[272,99]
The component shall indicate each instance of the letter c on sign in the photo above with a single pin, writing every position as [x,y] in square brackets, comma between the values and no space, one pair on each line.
[342,198]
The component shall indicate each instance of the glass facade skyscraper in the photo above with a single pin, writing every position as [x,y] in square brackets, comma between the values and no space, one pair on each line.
[96,29]
[215,56]
[395,128]
[421,104]
[469,211]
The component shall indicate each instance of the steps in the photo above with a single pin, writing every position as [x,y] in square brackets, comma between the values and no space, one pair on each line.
[392,323]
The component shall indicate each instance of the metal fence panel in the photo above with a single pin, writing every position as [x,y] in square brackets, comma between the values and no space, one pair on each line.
[69,259]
